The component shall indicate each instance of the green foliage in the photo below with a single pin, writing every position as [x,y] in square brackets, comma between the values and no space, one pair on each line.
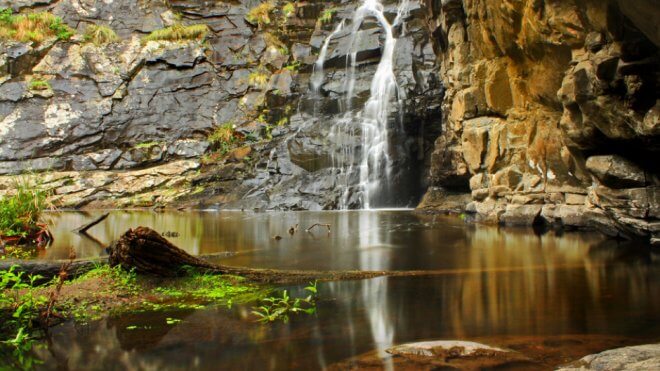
[145,145]
[223,137]
[100,35]
[38,84]
[327,15]
[280,307]
[259,78]
[20,211]
[33,27]
[179,32]
[288,9]
[260,14]
[122,280]
[293,66]
[24,307]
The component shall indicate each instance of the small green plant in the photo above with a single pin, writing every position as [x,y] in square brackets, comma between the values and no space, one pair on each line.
[100,35]
[146,145]
[223,137]
[20,212]
[38,84]
[260,14]
[32,27]
[178,32]
[293,66]
[288,9]
[25,308]
[259,78]
[327,15]
[280,307]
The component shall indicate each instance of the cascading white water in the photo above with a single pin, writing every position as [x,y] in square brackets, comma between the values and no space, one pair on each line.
[373,167]
[317,73]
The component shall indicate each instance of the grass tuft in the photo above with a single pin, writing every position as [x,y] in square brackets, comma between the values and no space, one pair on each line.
[100,35]
[179,32]
[260,14]
[20,212]
[32,27]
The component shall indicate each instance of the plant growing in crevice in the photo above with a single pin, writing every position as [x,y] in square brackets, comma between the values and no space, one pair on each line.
[223,138]
[260,14]
[178,32]
[100,35]
[259,78]
[32,27]
[37,84]
[327,14]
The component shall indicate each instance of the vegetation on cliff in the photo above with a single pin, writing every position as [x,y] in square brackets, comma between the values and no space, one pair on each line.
[179,32]
[33,27]
[100,35]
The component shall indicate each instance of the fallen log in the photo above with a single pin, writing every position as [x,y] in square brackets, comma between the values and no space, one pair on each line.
[146,251]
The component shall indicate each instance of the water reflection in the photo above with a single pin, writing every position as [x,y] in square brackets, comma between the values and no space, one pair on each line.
[493,284]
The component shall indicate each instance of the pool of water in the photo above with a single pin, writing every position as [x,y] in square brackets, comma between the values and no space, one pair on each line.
[576,292]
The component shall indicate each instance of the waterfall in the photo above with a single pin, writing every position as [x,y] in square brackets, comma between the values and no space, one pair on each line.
[317,73]
[366,170]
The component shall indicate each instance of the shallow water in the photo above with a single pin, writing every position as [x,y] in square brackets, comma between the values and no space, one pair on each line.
[586,291]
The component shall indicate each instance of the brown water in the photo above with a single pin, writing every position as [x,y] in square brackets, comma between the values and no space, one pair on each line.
[589,292]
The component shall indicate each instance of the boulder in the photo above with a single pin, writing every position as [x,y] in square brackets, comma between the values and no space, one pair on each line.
[616,172]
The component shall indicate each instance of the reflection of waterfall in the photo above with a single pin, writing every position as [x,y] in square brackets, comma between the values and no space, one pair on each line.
[362,156]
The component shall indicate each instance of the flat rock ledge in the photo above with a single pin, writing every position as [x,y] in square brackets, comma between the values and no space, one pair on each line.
[642,357]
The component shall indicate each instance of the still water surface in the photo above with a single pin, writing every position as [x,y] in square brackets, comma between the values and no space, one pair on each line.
[491,283]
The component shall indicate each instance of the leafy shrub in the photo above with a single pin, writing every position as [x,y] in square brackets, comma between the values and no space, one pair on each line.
[100,35]
[260,14]
[179,32]
[20,212]
[33,27]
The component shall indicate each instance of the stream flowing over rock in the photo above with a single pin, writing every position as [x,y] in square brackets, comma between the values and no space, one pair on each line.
[519,112]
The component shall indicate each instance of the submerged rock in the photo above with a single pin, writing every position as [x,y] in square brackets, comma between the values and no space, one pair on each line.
[637,358]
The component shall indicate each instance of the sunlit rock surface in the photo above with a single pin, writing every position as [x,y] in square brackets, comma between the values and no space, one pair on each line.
[509,107]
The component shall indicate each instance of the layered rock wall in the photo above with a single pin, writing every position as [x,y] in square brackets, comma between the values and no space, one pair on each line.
[551,113]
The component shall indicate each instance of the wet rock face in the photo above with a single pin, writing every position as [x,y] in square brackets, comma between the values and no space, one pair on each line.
[131,105]
[550,112]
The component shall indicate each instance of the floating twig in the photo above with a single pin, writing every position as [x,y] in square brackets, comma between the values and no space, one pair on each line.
[308,230]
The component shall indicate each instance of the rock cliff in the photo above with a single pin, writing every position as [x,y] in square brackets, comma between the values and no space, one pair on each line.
[518,112]
[550,114]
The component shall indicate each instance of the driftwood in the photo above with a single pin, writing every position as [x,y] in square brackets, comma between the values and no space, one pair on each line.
[318,225]
[84,228]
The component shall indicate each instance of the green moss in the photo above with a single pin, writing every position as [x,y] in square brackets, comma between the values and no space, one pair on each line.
[179,32]
[38,84]
[144,145]
[100,35]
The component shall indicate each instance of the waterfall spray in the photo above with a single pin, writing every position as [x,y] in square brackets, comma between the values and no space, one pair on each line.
[366,173]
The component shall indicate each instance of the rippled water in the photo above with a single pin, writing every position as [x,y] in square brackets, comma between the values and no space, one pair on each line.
[488,283]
